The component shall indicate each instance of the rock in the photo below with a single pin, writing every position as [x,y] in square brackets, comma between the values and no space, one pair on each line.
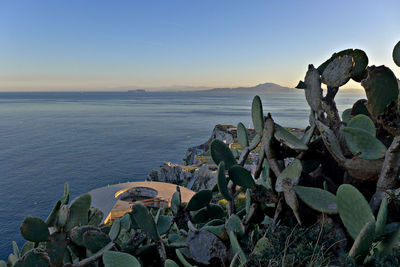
[225,133]
[197,177]
[251,168]
[203,178]
[204,246]
[168,173]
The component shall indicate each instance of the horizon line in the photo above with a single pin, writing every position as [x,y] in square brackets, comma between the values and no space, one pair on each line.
[166,88]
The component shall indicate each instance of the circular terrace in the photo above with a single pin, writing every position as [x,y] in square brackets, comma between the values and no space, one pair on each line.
[116,200]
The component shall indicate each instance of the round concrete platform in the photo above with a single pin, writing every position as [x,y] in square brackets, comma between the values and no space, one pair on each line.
[107,199]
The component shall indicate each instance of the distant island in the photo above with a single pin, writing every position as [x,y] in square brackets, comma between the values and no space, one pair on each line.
[265,88]
[261,88]
[137,91]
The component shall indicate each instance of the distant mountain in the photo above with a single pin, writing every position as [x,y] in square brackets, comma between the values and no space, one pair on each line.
[261,88]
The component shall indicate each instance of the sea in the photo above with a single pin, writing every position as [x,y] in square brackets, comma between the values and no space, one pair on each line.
[92,139]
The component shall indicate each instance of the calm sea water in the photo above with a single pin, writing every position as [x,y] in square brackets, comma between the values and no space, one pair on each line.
[95,139]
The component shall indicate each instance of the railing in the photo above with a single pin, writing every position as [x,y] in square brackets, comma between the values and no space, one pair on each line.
[153,202]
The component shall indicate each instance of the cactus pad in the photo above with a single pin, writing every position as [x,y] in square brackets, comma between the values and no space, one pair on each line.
[353,209]
[176,201]
[62,216]
[318,199]
[51,219]
[55,248]
[236,247]
[95,240]
[396,54]
[164,223]
[363,242]
[287,138]
[65,198]
[126,222]
[34,229]
[234,224]
[257,115]
[182,259]
[119,259]
[199,200]
[79,212]
[360,62]
[381,218]
[381,88]
[359,107]
[76,234]
[26,247]
[215,211]
[363,122]
[301,85]
[34,257]
[241,176]
[221,152]
[331,142]
[15,249]
[362,142]
[95,216]
[170,263]
[222,183]
[292,172]
[346,115]
[242,136]
[145,220]
[115,229]
[338,71]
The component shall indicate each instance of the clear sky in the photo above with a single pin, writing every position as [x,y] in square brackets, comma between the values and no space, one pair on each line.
[98,45]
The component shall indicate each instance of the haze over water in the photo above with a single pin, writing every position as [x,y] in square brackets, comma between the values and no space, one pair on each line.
[95,139]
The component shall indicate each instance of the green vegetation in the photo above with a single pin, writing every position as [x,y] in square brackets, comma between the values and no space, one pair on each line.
[326,196]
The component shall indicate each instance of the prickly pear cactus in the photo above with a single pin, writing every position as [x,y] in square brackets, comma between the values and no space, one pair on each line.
[353,209]
[34,229]
[78,212]
[242,135]
[363,242]
[318,199]
[381,89]
[222,183]
[241,177]
[145,220]
[362,143]
[291,172]
[199,200]
[381,218]
[221,152]
[257,115]
[396,54]
[241,219]
[287,138]
[118,259]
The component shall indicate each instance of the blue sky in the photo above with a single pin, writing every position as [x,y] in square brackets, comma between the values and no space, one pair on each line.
[101,45]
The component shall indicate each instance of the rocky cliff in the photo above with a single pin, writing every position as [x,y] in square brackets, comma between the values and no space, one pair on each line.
[197,171]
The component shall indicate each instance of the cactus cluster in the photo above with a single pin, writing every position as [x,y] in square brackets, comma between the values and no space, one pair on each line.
[343,169]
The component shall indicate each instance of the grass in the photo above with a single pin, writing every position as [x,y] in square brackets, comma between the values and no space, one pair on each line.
[316,245]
